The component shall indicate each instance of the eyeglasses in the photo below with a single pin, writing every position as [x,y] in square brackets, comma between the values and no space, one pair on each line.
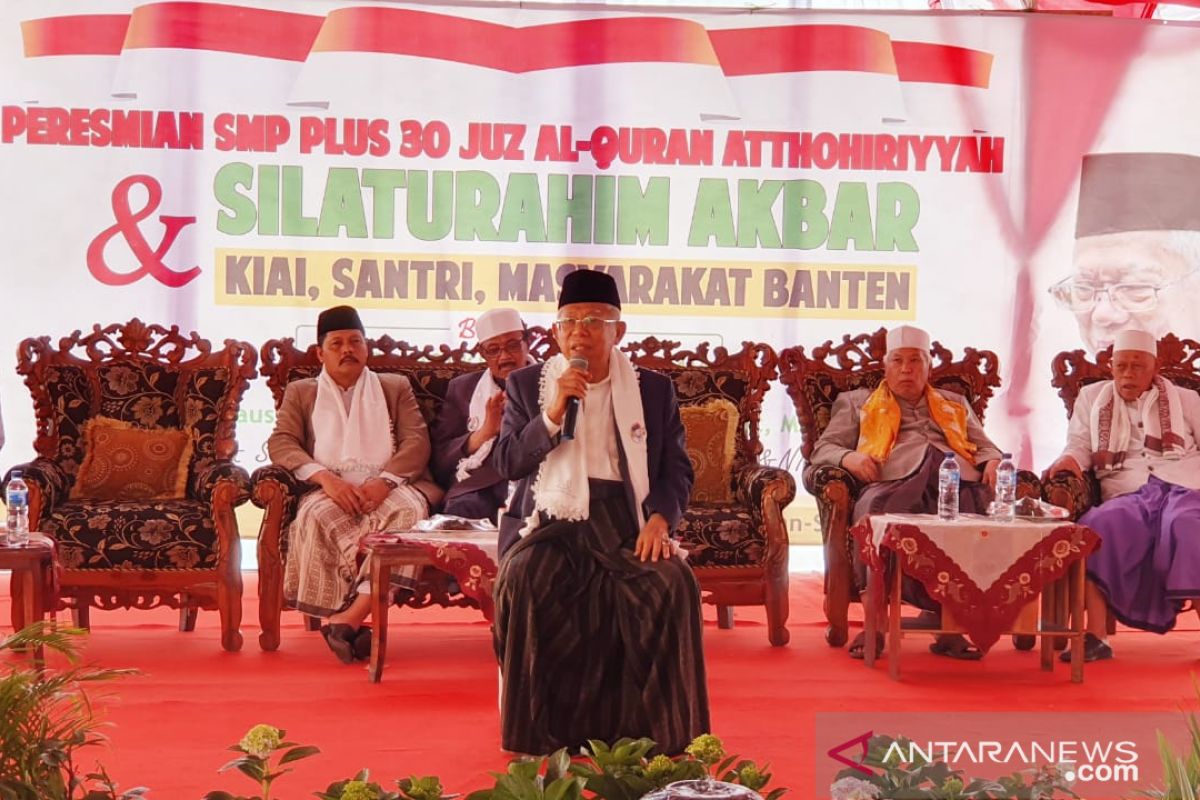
[1135,298]
[512,347]
[589,324]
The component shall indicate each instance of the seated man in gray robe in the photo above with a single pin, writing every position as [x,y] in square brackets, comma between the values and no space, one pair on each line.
[598,625]
[1139,433]
[469,420]
[361,438]
[893,440]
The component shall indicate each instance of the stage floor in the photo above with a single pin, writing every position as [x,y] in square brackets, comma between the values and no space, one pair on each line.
[436,710]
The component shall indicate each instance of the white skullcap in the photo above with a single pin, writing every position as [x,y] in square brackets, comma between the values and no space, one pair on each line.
[497,321]
[907,336]
[1136,340]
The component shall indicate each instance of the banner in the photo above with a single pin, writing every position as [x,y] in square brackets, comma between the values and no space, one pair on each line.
[783,176]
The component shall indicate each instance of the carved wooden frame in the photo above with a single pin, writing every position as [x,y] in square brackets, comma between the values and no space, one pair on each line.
[187,590]
[1178,362]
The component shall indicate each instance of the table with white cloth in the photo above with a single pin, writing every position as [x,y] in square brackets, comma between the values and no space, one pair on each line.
[984,572]
[469,556]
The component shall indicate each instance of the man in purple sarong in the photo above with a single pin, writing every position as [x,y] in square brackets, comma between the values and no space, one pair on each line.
[892,440]
[1138,432]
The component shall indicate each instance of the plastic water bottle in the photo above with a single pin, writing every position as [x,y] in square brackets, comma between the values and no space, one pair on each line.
[948,487]
[1006,489]
[16,498]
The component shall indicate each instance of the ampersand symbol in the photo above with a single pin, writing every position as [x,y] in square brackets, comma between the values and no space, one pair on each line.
[150,261]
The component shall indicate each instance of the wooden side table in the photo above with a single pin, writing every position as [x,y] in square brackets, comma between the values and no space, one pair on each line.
[469,556]
[384,556]
[31,564]
[983,571]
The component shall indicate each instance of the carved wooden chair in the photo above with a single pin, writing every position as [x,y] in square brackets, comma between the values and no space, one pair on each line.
[181,553]
[1179,362]
[814,382]
[277,491]
[736,539]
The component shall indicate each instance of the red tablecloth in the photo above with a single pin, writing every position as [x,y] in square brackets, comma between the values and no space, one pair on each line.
[985,612]
[469,556]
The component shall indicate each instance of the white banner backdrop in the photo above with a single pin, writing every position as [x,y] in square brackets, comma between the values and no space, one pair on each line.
[786,177]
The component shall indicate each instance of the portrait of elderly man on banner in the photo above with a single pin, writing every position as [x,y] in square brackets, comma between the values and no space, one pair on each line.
[360,437]
[598,624]
[1139,433]
[1136,263]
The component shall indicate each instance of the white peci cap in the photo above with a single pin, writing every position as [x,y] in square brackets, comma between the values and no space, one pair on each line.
[497,321]
[907,336]
[1136,340]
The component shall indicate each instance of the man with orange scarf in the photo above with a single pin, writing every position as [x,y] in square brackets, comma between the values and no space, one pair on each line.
[893,439]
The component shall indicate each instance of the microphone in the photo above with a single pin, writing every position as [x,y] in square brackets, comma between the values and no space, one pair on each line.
[568,428]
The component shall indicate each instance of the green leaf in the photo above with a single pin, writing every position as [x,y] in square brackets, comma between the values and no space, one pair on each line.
[219,796]
[253,771]
[557,764]
[235,764]
[297,753]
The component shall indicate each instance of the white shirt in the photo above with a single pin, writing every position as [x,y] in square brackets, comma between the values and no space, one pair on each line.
[1140,463]
[599,433]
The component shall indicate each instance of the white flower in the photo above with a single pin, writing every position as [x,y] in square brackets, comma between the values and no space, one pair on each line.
[853,789]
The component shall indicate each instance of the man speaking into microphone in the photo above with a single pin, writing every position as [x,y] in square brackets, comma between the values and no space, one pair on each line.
[598,626]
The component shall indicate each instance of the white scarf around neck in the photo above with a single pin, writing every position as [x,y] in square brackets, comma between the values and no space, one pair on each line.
[1162,417]
[561,487]
[485,390]
[356,442]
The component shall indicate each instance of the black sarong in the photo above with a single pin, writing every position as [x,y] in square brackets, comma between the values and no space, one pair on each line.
[594,643]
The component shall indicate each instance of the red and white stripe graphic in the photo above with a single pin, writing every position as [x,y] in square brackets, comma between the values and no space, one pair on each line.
[804,75]
[598,68]
[944,85]
[68,57]
[190,54]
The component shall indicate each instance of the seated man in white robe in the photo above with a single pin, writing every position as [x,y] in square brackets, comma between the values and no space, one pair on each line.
[1139,433]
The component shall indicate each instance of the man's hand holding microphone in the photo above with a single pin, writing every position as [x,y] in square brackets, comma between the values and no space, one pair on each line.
[572,388]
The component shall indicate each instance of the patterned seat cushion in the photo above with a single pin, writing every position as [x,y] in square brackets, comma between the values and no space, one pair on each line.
[161,535]
[722,536]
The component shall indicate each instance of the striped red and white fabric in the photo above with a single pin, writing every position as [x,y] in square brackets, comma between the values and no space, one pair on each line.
[512,64]
[192,54]
[799,76]
[69,51]
[945,85]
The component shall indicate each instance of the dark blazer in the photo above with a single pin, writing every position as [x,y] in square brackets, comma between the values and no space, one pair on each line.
[524,443]
[450,436]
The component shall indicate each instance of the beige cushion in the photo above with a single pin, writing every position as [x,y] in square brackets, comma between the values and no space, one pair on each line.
[711,433]
[124,462]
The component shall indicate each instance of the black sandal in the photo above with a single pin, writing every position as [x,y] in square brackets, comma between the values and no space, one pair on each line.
[858,647]
[955,645]
[362,643]
[340,638]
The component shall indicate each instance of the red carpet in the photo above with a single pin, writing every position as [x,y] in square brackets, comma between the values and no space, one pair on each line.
[435,711]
